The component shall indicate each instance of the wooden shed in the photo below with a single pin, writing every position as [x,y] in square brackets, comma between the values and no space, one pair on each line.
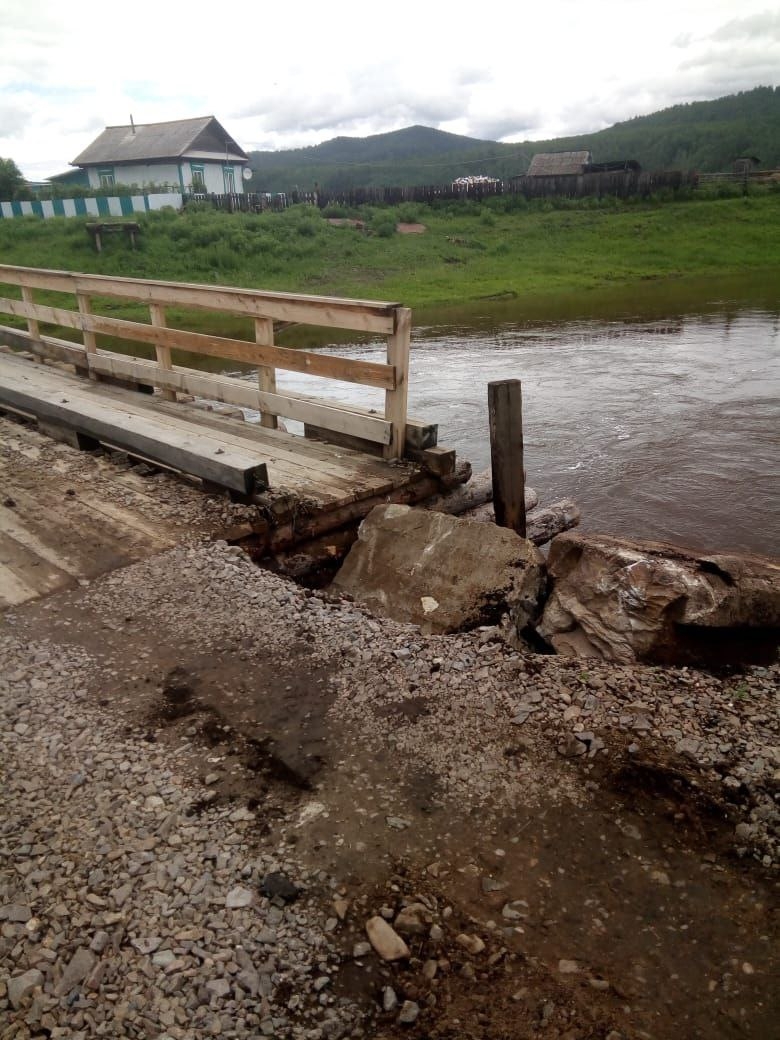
[559,164]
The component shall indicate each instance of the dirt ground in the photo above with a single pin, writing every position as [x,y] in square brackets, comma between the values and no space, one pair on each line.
[633,917]
[609,892]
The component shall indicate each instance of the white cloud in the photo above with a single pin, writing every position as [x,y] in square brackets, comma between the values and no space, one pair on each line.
[287,78]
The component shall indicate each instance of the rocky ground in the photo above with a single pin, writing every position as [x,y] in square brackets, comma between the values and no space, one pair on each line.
[214,779]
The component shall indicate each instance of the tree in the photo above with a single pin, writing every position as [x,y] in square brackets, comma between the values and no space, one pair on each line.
[11,180]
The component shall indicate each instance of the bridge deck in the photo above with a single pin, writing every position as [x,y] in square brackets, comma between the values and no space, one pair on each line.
[51,536]
[239,456]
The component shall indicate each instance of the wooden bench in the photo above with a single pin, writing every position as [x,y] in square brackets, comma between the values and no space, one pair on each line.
[97,230]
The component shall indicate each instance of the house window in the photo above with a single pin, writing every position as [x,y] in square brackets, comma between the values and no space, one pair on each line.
[106,178]
[198,178]
[230,180]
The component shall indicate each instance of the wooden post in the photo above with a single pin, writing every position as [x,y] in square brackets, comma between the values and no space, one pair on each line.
[395,400]
[505,408]
[157,314]
[32,325]
[266,377]
[90,342]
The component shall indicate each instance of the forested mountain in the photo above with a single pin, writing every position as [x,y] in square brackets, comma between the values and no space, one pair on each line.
[702,135]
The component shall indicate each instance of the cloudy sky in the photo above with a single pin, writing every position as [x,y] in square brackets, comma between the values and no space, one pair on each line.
[286,75]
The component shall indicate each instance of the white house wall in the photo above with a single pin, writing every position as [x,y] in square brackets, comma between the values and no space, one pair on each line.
[139,173]
[176,175]
[213,175]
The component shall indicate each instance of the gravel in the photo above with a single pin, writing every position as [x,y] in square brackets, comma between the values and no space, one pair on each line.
[131,905]
[116,918]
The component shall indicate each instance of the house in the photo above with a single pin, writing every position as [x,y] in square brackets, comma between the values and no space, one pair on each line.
[187,155]
[745,165]
[559,164]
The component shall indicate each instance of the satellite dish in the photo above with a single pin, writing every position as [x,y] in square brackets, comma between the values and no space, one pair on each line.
[246,174]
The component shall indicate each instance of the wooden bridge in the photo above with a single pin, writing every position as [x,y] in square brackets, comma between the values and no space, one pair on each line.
[96,391]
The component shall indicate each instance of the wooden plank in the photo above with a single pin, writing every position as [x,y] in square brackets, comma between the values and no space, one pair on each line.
[334,312]
[233,391]
[395,397]
[46,346]
[365,373]
[187,451]
[332,475]
[505,412]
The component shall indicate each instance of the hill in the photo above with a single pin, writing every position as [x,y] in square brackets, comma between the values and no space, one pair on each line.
[703,135]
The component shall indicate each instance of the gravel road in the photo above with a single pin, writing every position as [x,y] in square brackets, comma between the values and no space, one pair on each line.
[213,779]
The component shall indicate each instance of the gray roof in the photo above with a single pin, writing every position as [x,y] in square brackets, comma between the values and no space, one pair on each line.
[143,141]
[556,164]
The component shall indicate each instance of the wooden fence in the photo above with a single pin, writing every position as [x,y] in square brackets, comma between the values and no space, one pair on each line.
[93,292]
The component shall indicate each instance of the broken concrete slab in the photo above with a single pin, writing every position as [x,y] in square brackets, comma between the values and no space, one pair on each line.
[442,573]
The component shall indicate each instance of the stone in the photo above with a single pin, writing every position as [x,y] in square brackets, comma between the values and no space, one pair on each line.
[517,910]
[146,945]
[99,941]
[567,967]
[218,987]
[238,897]
[279,886]
[385,940]
[429,969]
[16,913]
[472,943]
[22,986]
[389,999]
[475,572]
[629,601]
[410,920]
[409,1013]
[398,823]
[80,965]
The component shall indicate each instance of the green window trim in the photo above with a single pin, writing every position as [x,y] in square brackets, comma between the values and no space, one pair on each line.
[106,178]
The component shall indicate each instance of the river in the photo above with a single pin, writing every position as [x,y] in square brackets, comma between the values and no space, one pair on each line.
[663,427]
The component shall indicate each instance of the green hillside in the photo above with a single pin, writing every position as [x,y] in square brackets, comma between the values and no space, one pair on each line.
[702,135]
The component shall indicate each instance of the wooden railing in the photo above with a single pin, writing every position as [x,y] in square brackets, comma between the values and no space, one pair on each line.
[389,320]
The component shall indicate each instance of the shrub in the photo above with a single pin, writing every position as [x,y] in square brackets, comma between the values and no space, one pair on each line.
[383,224]
[409,213]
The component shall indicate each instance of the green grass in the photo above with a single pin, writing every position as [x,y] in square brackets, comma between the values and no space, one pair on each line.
[469,252]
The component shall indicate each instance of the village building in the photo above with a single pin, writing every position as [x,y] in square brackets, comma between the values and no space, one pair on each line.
[559,164]
[186,155]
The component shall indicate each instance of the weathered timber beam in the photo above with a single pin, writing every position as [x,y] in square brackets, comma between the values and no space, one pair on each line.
[305,528]
[233,391]
[543,524]
[476,492]
[185,450]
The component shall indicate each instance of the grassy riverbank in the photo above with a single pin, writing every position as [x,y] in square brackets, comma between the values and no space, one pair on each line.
[468,252]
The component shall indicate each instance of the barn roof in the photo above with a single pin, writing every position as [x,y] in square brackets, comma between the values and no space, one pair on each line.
[139,142]
[555,164]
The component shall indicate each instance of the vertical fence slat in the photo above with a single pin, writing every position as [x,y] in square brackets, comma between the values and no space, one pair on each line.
[157,314]
[266,377]
[395,400]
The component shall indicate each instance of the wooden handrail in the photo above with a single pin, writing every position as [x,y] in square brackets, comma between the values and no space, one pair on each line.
[390,320]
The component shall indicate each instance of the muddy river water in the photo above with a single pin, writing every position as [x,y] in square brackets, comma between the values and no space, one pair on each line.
[660,426]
